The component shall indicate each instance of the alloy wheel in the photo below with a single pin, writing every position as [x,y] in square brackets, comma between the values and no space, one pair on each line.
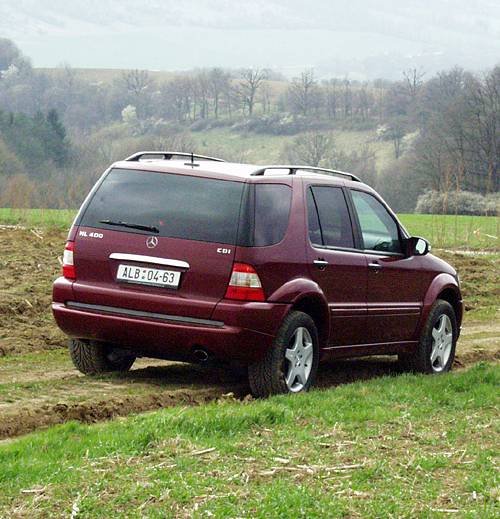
[442,343]
[299,360]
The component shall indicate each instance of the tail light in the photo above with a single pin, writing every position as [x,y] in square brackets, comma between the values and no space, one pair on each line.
[245,284]
[68,267]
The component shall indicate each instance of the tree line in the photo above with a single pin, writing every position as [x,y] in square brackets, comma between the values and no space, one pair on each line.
[444,130]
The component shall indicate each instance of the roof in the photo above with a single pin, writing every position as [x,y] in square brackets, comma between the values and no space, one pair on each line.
[229,170]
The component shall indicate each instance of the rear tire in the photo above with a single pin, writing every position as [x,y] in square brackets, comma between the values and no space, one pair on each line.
[436,350]
[290,366]
[91,357]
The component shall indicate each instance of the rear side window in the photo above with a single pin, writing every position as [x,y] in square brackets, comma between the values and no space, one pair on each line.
[328,217]
[180,206]
[272,209]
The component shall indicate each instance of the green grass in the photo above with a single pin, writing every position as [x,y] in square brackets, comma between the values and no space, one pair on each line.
[37,217]
[407,446]
[443,231]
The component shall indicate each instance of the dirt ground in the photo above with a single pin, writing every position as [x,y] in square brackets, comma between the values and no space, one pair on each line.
[39,386]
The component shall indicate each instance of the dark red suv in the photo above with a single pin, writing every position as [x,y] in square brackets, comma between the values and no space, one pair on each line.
[272,268]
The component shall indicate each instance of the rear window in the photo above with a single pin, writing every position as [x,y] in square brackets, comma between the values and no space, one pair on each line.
[179,206]
[272,208]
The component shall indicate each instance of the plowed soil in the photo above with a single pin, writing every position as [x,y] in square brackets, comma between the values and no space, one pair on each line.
[39,386]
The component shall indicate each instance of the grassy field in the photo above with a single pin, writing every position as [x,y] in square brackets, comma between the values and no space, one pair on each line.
[449,231]
[407,446]
[37,217]
[252,147]
[443,231]
[368,442]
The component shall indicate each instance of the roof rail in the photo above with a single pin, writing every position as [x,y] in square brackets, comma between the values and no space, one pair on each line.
[167,155]
[292,170]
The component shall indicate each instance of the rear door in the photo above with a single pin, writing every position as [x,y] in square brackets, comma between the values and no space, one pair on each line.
[335,265]
[183,225]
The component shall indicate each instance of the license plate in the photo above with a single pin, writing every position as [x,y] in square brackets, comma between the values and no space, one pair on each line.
[148,276]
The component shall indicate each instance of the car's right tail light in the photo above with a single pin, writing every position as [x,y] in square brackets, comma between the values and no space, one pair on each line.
[245,284]
[68,267]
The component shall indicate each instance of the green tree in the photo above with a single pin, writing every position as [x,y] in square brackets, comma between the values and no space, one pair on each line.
[9,53]
[55,139]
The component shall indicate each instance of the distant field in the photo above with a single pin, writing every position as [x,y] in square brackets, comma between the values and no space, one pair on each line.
[105,75]
[109,75]
[266,149]
[474,232]
[443,231]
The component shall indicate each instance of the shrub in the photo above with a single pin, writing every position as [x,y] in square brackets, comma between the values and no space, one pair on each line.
[278,124]
[458,202]
[201,125]
[398,184]
[19,192]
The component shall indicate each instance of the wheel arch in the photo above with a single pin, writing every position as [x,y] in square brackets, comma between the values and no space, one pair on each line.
[452,296]
[444,286]
[316,307]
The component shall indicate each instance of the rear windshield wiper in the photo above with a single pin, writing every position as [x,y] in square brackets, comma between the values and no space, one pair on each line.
[150,228]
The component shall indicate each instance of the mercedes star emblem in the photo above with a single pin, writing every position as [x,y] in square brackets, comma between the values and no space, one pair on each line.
[151,242]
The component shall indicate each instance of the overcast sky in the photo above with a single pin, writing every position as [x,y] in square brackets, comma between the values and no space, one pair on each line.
[335,37]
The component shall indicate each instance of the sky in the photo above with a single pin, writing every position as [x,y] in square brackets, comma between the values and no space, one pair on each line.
[360,38]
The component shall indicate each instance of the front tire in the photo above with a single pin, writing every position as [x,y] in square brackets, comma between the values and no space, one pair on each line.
[290,366]
[92,357]
[436,350]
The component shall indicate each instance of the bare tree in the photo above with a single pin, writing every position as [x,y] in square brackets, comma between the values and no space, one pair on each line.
[484,102]
[138,88]
[347,97]
[265,97]
[396,132]
[413,79]
[136,81]
[250,82]
[332,94]
[218,84]
[301,92]
[176,99]
[202,86]
[311,148]
[363,101]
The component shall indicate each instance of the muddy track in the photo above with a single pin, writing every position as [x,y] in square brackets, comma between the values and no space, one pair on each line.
[143,389]
[39,387]
[35,399]
[22,421]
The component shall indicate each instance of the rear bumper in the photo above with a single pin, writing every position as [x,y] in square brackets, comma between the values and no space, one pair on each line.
[239,331]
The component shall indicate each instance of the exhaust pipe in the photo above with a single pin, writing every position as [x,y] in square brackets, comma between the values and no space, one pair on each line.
[200,355]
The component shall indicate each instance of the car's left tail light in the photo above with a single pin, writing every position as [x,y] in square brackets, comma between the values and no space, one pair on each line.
[68,267]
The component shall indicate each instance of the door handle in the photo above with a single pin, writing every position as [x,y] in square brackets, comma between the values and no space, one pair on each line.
[321,263]
[376,267]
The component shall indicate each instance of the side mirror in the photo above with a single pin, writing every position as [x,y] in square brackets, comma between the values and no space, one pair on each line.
[417,246]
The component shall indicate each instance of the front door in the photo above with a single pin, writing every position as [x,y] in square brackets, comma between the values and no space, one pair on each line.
[335,265]
[394,294]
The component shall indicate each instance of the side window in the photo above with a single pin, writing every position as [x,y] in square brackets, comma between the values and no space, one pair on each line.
[378,228]
[272,209]
[313,220]
[329,221]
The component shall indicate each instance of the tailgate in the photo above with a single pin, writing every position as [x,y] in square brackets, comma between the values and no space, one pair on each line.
[204,272]
[140,229]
